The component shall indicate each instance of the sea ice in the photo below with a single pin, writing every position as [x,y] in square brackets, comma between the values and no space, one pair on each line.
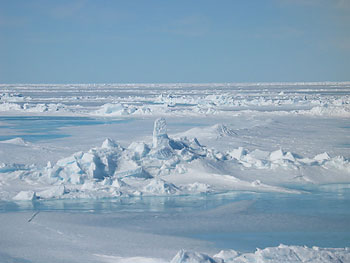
[25,196]
[282,253]
[191,257]
[168,167]
[270,137]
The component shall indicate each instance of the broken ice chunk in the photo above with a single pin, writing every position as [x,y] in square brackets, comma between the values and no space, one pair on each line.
[159,132]
[280,155]
[25,196]
[77,178]
[192,257]
[289,156]
[160,187]
[238,153]
[53,192]
[259,154]
[109,143]
[321,157]
[164,153]
[227,255]
[97,168]
[135,172]
[277,155]
[139,150]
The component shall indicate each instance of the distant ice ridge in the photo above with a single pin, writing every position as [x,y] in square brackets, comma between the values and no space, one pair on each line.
[226,104]
[12,97]
[114,109]
[180,99]
[286,254]
[280,254]
[277,159]
[17,141]
[31,107]
[328,111]
[166,167]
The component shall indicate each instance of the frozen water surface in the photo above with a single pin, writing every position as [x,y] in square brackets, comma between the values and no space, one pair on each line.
[35,128]
[199,167]
[240,221]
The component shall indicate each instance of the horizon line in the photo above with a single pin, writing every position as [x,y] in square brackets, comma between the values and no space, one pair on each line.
[189,83]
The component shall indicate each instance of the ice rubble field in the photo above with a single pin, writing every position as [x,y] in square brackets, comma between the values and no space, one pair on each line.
[118,142]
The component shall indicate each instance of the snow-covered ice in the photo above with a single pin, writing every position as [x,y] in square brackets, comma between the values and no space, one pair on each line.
[100,143]
[179,99]
[272,254]
[168,166]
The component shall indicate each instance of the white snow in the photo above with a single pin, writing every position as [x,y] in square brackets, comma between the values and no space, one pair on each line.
[208,139]
[111,109]
[314,99]
[282,253]
[25,196]
[191,257]
[287,254]
[167,167]
[16,141]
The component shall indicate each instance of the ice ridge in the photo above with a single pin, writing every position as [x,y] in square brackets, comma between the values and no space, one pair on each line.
[167,167]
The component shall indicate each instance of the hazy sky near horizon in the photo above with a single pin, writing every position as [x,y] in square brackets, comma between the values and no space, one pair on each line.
[84,41]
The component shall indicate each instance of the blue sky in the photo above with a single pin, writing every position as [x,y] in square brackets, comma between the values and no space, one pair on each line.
[128,41]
